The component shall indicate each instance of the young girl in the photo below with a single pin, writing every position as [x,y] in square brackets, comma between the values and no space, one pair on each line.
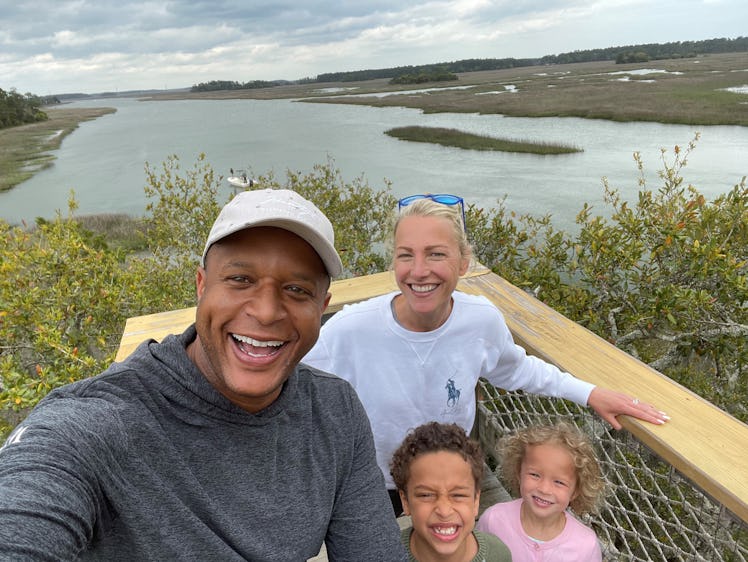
[551,468]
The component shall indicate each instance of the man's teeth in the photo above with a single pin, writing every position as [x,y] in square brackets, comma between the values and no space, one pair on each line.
[257,343]
[422,288]
[445,530]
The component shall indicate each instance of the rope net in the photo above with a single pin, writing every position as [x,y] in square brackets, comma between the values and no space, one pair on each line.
[651,511]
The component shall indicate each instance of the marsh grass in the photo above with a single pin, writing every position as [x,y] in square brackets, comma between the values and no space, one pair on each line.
[469,141]
[118,230]
[25,150]
[684,91]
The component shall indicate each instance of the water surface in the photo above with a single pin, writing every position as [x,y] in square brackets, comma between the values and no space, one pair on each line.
[103,160]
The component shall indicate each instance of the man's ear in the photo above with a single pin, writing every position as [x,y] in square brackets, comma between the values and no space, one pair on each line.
[200,282]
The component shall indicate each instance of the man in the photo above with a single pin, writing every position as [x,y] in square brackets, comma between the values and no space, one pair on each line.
[214,444]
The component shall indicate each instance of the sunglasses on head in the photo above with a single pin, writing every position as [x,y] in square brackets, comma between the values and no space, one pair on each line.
[443,198]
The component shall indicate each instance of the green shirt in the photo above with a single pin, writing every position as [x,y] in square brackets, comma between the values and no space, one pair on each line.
[490,547]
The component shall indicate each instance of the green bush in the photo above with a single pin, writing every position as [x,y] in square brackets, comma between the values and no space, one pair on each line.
[663,278]
[61,291]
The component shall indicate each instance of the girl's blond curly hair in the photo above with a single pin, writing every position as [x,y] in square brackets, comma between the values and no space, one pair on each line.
[590,482]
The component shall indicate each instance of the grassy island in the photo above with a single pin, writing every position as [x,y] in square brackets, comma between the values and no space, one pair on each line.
[469,141]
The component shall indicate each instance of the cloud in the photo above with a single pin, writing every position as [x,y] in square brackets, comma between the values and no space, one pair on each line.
[56,46]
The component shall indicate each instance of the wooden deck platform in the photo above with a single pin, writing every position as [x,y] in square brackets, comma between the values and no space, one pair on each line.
[701,441]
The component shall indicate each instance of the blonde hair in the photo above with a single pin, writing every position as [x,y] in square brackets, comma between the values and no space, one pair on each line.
[590,482]
[429,208]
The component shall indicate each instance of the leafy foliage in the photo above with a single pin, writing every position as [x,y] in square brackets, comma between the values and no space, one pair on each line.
[61,295]
[181,210]
[663,278]
[668,280]
[360,215]
[17,109]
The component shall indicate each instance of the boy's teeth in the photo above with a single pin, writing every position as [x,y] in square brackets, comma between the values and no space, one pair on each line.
[445,530]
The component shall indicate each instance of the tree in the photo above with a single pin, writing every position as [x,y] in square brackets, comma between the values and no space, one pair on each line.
[17,109]
[61,295]
[663,278]
[667,277]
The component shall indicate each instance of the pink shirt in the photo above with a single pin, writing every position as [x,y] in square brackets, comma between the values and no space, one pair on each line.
[576,543]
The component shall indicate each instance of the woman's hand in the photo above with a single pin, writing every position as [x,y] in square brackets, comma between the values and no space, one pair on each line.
[608,404]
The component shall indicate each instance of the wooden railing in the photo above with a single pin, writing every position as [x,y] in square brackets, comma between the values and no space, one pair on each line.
[702,442]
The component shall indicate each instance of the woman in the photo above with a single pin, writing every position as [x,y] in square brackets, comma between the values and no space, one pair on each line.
[415,355]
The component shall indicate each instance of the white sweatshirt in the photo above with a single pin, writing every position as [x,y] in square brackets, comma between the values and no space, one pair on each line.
[405,379]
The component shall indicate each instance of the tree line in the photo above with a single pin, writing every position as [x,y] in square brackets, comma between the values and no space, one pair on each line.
[436,75]
[19,109]
[215,85]
[654,51]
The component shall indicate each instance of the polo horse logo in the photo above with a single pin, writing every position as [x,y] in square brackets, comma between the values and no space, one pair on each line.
[453,394]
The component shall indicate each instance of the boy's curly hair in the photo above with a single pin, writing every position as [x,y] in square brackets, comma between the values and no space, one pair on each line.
[590,482]
[433,437]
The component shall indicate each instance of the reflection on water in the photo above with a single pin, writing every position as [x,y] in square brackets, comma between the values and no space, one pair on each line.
[103,160]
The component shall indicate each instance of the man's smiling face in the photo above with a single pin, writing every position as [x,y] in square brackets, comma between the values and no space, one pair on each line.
[261,297]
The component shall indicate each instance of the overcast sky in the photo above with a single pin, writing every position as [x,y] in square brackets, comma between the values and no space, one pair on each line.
[89,46]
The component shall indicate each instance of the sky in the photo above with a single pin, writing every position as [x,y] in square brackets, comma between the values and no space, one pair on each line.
[91,46]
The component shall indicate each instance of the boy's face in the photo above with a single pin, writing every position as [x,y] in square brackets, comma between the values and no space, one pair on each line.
[442,501]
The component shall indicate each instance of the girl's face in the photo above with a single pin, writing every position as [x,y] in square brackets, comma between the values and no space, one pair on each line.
[548,481]
[427,266]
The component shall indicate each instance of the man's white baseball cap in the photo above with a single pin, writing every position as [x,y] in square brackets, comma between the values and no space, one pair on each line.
[281,208]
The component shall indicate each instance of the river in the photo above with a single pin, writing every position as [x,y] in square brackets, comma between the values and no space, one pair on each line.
[103,160]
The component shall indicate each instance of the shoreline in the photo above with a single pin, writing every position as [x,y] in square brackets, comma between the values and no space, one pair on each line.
[27,149]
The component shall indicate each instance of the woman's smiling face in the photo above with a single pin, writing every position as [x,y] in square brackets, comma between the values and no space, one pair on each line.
[428,265]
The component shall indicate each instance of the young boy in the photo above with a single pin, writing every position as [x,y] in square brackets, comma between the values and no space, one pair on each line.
[438,470]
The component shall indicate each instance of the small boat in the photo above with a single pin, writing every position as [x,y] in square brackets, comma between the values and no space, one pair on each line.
[239,178]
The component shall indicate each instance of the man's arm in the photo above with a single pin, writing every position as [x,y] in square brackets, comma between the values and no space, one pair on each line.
[49,500]
[363,525]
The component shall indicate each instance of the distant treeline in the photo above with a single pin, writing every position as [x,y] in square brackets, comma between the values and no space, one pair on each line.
[447,71]
[214,85]
[19,109]
[629,53]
